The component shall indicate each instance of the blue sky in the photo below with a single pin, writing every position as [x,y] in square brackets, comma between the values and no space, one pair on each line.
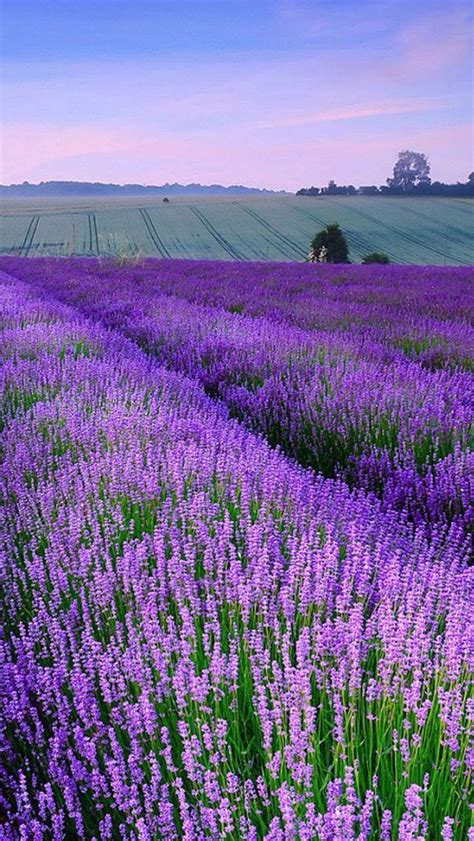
[276,93]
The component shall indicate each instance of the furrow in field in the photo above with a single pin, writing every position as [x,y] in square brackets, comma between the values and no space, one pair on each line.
[355,240]
[30,236]
[93,242]
[273,238]
[367,245]
[446,231]
[95,234]
[26,244]
[295,247]
[155,237]
[49,237]
[23,245]
[468,202]
[227,246]
[251,247]
[406,235]
[380,226]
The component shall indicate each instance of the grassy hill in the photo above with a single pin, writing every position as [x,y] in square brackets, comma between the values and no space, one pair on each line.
[423,230]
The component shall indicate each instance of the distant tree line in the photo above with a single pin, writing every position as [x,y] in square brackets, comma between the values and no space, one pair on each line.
[332,189]
[411,176]
[97,188]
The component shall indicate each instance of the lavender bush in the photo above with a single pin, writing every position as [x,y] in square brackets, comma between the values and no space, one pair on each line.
[362,374]
[202,638]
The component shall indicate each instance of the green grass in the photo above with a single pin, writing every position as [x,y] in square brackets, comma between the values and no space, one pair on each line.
[428,231]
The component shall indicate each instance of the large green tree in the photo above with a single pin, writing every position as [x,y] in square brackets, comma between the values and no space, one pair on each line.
[329,246]
[411,169]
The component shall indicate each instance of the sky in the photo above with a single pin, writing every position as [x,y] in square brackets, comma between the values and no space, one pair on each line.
[267,93]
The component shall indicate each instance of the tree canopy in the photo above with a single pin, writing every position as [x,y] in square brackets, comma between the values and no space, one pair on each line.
[411,175]
[329,246]
[411,169]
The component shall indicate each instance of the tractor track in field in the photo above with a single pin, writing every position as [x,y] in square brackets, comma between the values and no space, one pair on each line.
[93,233]
[399,233]
[453,234]
[259,254]
[409,237]
[468,202]
[224,243]
[154,235]
[353,238]
[290,245]
[25,247]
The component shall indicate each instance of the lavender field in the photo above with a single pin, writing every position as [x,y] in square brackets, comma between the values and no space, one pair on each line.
[237,534]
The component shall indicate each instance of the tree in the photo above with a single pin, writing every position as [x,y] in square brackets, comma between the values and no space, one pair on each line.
[410,170]
[308,191]
[329,245]
[471,178]
[370,190]
[334,190]
[376,257]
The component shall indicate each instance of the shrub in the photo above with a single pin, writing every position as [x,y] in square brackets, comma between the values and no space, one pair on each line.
[331,243]
[376,257]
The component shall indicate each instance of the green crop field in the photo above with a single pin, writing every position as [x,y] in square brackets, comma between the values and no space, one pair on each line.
[410,230]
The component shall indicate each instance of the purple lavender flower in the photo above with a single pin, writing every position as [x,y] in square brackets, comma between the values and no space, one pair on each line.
[202,637]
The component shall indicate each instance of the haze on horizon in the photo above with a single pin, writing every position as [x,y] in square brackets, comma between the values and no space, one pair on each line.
[275,93]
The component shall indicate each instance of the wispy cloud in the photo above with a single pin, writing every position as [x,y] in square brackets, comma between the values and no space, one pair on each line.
[92,153]
[358,112]
[328,23]
[376,74]
[435,43]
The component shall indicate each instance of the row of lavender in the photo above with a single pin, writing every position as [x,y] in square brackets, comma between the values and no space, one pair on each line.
[362,374]
[201,639]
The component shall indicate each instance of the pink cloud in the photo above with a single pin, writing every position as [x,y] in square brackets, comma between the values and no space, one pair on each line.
[235,118]
[35,152]
[33,144]
[435,45]
[356,112]
[91,153]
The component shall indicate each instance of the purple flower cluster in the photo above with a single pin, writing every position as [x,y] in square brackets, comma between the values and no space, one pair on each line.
[361,373]
[202,638]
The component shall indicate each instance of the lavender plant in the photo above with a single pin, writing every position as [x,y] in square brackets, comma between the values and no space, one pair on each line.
[368,381]
[200,638]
